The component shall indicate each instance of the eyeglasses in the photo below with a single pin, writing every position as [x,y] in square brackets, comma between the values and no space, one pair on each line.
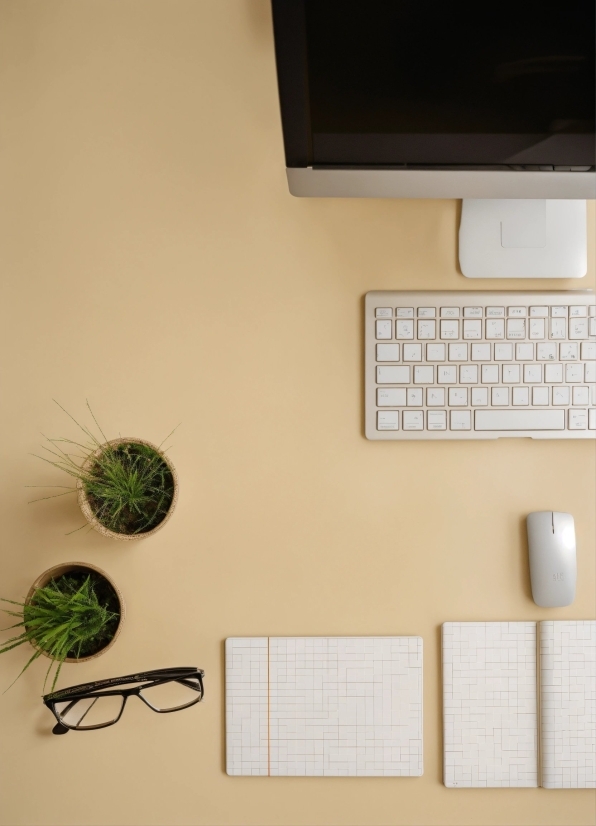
[100,704]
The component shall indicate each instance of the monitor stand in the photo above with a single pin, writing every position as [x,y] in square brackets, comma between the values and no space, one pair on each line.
[523,238]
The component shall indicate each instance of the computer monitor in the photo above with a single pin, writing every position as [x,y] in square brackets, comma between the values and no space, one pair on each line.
[407,99]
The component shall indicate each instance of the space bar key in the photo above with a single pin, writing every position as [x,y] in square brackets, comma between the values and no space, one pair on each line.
[519,420]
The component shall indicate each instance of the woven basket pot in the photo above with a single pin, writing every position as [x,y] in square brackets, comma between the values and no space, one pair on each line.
[64,568]
[88,512]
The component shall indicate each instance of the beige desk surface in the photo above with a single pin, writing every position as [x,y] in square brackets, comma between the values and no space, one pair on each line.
[154,262]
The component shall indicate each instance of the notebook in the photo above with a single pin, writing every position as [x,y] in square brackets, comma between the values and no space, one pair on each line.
[324,706]
[507,700]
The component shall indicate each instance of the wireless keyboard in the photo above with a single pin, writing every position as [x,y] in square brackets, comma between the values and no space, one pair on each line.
[480,365]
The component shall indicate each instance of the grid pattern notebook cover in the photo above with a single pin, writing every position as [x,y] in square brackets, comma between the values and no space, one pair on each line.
[490,691]
[568,704]
[489,704]
[324,706]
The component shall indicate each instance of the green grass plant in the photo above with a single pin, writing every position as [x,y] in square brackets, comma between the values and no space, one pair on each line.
[72,616]
[129,486]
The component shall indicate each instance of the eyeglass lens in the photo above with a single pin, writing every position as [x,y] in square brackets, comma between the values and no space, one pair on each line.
[90,711]
[173,695]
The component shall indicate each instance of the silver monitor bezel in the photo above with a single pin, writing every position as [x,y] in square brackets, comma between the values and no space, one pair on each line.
[315,182]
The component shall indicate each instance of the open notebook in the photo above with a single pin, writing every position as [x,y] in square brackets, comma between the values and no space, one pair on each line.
[519,704]
[324,706]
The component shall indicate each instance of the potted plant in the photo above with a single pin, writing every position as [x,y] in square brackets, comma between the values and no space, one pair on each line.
[72,613]
[127,487]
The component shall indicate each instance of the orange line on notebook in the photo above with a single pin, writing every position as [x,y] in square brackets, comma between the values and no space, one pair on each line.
[268,717]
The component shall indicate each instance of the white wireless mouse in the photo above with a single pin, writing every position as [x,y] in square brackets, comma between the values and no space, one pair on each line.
[553,564]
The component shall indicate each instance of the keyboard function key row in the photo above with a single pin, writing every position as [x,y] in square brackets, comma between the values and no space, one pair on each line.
[573,311]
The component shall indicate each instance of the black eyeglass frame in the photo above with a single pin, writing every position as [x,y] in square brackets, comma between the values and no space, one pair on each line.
[146,679]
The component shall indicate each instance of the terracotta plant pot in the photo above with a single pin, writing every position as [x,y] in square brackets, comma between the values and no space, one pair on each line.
[64,568]
[88,511]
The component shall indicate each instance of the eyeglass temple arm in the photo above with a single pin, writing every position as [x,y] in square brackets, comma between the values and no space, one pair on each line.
[158,674]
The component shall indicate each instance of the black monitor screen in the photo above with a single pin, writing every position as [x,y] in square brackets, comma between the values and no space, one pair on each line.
[418,82]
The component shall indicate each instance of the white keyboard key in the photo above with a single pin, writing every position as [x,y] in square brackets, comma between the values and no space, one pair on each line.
[546,352]
[404,312]
[449,329]
[538,312]
[473,312]
[413,420]
[540,396]
[569,351]
[558,328]
[391,397]
[558,312]
[521,396]
[578,311]
[511,374]
[590,372]
[387,420]
[553,373]
[468,374]
[435,352]
[460,420]
[495,312]
[393,375]
[412,352]
[532,373]
[446,374]
[589,349]
[387,352]
[578,328]
[490,374]
[578,419]
[524,352]
[537,328]
[479,396]
[436,420]
[500,397]
[404,329]
[592,310]
[472,328]
[592,328]
[503,352]
[592,418]
[516,328]
[427,328]
[561,395]
[519,419]
[424,374]
[435,397]
[517,312]
[458,352]
[414,397]
[449,312]
[458,396]
[574,372]
[384,312]
[581,395]
[384,329]
[427,312]
[495,328]
[480,352]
